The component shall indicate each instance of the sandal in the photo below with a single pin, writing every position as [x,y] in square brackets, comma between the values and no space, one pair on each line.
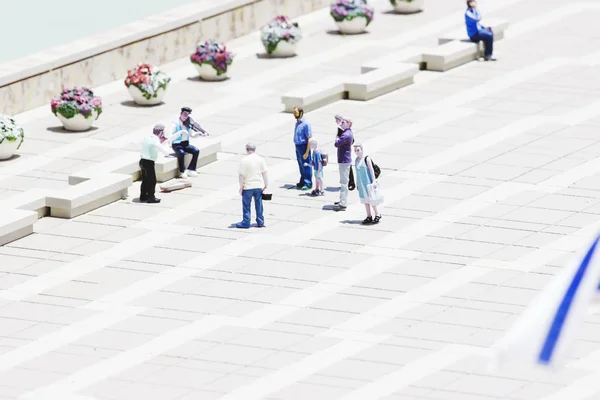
[314,193]
[367,221]
[377,219]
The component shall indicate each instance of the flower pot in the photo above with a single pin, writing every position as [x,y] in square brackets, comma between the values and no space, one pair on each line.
[78,123]
[208,73]
[138,97]
[352,26]
[284,49]
[8,149]
[405,7]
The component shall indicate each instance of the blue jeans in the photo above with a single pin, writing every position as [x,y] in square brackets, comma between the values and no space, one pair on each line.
[305,172]
[247,196]
[487,37]
[185,147]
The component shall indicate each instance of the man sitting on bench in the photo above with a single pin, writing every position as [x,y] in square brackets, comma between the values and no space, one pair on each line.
[477,32]
[180,140]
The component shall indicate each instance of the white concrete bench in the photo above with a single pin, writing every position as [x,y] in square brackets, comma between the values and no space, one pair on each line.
[166,167]
[450,55]
[381,81]
[410,54]
[498,27]
[15,224]
[30,200]
[313,96]
[124,163]
[89,195]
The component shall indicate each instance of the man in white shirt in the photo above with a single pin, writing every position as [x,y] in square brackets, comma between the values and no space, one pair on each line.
[253,181]
[150,147]
[180,140]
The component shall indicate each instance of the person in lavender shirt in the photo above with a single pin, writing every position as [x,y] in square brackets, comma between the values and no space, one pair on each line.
[343,143]
[477,32]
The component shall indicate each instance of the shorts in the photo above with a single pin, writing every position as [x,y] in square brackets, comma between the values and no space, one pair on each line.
[318,174]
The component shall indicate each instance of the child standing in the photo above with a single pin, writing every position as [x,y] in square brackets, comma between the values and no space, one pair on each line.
[319,160]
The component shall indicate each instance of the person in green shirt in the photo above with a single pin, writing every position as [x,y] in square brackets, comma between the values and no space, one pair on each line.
[151,146]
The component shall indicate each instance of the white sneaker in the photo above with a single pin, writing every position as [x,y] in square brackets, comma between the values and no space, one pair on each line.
[183,175]
[191,173]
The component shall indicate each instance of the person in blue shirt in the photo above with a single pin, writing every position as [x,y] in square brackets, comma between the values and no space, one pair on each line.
[477,32]
[184,128]
[302,135]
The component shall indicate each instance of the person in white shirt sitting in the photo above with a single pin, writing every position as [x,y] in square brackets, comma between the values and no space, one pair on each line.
[180,141]
[253,181]
[150,147]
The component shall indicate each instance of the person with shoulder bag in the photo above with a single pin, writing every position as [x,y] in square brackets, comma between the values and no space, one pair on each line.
[367,185]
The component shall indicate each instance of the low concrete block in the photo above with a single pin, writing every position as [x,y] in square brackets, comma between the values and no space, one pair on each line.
[89,195]
[30,200]
[381,81]
[124,163]
[16,224]
[410,54]
[166,167]
[313,96]
[498,26]
[450,55]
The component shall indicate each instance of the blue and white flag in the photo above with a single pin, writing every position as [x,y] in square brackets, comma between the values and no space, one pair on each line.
[545,331]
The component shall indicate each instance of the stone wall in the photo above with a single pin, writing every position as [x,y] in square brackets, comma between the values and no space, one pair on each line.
[32,82]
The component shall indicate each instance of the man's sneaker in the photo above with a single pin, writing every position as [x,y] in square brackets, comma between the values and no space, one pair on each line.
[339,208]
[489,58]
[304,188]
[183,175]
[192,173]
[153,200]
[299,185]
[242,226]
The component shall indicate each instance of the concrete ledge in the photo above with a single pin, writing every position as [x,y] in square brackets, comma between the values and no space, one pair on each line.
[89,195]
[381,81]
[16,224]
[498,27]
[30,200]
[410,54]
[450,55]
[318,94]
[376,82]
[127,163]
[166,167]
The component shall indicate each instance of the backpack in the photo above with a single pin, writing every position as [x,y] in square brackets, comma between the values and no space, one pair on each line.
[376,168]
[324,159]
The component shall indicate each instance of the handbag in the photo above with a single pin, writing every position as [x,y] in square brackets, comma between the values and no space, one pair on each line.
[374,194]
[376,168]
[267,196]
[351,183]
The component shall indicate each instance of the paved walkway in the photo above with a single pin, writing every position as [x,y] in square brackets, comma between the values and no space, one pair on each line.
[491,176]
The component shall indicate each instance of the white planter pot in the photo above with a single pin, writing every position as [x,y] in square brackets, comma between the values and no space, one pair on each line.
[284,49]
[138,97]
[78,123]
[208,73]
[8,149]
[407,8]
[353,26]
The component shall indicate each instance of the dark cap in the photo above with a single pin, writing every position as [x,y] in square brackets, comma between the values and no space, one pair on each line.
[187,109]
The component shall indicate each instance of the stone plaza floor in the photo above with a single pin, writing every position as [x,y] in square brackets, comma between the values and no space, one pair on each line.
[491,174]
